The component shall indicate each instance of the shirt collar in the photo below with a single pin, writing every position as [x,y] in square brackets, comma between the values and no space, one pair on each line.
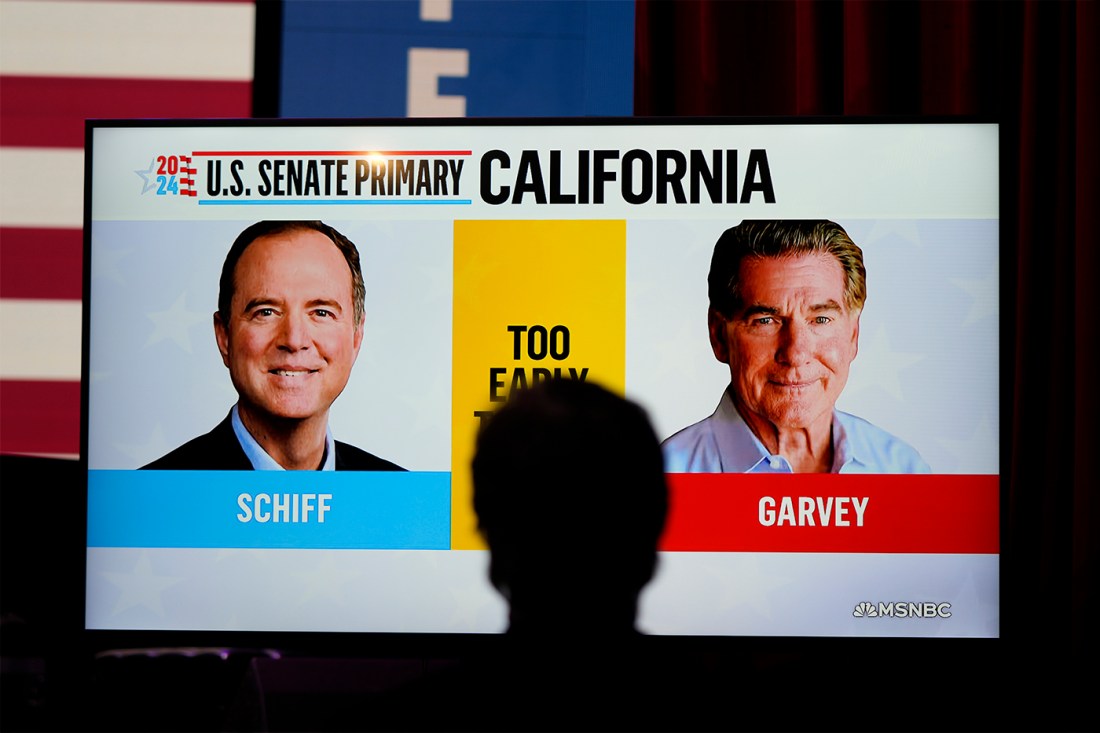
[742,452]
[850,447]
[260,459]
[739,450]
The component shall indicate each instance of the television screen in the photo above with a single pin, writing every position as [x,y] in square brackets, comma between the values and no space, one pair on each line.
[829,412]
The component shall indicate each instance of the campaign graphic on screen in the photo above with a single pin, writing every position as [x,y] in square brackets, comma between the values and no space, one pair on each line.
[819,354]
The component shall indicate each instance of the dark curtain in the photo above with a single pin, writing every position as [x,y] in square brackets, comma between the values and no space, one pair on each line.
[1032,66]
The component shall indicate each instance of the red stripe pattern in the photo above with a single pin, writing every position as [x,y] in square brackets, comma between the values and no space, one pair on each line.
[50,111]
[833,513]
[43,417]
[187,180]
[40,418]
[40,263]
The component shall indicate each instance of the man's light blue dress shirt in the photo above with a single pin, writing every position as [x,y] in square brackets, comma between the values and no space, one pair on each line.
[261,461]
[723,443]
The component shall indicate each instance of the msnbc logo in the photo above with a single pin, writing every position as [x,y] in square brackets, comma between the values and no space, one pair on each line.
[902,609]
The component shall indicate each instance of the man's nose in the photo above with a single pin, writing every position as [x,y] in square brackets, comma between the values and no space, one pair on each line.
[294,332]
[795,343]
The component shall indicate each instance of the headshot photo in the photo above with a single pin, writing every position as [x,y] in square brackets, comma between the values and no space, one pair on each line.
[289,328]
[785,300]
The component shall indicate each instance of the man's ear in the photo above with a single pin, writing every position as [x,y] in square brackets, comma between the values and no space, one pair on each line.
[716,324]
[358,339]
[855,334]
[222,336]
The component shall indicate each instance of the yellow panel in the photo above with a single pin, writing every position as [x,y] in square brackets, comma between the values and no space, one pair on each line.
[561,285]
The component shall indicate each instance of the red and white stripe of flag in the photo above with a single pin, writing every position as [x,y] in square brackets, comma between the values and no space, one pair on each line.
[62,61]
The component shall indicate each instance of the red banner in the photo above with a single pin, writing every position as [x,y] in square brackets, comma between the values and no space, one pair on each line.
[715,512]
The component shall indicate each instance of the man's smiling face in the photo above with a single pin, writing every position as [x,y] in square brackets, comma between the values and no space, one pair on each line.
[290,340]
[791,345]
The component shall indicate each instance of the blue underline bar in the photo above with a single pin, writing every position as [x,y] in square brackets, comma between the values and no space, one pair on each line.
[324,510]
[334,202]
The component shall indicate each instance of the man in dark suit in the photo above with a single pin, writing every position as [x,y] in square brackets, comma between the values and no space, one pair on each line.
[289,326]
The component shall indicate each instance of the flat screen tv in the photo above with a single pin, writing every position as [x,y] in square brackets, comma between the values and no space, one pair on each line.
[495,253]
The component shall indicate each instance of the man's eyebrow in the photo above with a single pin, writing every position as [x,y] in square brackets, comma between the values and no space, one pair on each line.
[260,301]
[759,309]
[325,302]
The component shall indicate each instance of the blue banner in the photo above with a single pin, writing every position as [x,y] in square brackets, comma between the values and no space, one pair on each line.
[457,58]
[270,509]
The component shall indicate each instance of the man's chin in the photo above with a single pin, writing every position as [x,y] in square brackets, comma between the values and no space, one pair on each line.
[798,417]
[287,414]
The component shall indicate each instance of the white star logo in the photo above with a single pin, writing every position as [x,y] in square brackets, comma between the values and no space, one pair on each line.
[977,453]
[880,366]
[984,293]
[105,264]
[146,175]
[884,229]
[154,445]
[175,324]
[142,587]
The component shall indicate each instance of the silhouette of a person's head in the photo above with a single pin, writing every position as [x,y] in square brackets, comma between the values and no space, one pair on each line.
[570,495]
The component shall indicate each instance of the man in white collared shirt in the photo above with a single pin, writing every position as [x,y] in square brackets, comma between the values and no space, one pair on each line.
[785,301]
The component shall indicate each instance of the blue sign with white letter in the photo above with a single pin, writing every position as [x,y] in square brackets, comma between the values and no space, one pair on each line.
[457,58]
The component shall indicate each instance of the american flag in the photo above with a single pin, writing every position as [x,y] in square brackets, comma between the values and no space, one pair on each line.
[62,61]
